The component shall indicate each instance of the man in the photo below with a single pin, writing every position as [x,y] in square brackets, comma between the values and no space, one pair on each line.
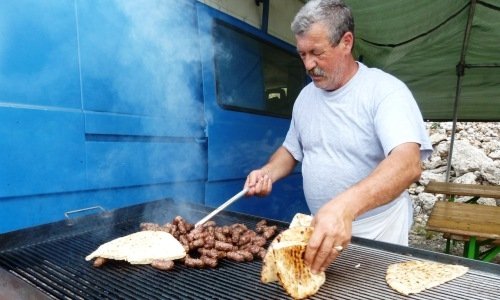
[359,135]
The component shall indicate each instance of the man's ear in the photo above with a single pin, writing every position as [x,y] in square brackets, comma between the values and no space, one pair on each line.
[347,41]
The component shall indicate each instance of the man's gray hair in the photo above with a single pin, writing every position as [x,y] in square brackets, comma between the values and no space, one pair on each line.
[335,14]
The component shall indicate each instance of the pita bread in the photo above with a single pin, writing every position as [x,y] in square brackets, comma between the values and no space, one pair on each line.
[284,262]
[268,273]
[412,277]
[295,277]
[301,220]
[296,234]
[141,248]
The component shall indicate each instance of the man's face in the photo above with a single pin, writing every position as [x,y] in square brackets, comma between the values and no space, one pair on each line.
[324,62]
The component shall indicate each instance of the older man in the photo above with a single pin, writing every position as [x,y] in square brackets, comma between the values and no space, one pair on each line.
[359,135]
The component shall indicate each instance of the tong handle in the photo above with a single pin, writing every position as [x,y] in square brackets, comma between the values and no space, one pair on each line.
[223,206]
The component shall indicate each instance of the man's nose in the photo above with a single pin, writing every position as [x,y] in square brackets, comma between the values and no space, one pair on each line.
[309,62]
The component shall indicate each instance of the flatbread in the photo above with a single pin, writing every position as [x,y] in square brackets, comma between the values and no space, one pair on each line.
[295,234]
[295,277]
[268,273]
[141,248]
[301,220]
[414,276]
[284,262]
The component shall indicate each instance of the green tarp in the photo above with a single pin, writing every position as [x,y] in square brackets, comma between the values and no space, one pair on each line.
[421,42]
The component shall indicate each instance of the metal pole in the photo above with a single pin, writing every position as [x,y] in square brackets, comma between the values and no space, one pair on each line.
[460,73]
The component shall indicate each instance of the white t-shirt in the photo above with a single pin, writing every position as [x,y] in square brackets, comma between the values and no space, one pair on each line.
[341,136]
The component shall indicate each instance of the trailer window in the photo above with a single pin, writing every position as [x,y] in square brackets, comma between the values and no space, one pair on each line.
[255,76]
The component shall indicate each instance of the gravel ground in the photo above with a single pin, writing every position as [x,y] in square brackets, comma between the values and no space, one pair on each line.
[433,241]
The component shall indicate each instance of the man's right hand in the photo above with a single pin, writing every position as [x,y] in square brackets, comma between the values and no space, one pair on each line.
[259,183]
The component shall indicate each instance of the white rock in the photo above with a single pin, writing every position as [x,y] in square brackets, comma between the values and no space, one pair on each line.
[491,173]
[487,201]
[494,154]
[467,158]
[469,178]
[437,138]
[427,201]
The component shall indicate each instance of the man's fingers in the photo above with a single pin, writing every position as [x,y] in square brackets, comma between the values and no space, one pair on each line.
[312,249]
[322,255]
[331,257]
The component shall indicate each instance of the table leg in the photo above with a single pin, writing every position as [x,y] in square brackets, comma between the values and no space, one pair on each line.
[473,248]
[490,254]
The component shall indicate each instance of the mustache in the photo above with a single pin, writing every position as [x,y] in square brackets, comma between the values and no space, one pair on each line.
[316,71]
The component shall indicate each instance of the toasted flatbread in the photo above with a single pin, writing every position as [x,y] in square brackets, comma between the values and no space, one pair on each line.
[295,234]
[295,277]
[412,277]
[301,220]
[268,273]
[141,248]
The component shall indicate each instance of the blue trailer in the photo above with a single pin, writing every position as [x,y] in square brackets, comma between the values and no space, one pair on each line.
[106,104]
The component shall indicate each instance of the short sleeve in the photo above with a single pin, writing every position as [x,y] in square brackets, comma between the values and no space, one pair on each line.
[398,120]
[292,142]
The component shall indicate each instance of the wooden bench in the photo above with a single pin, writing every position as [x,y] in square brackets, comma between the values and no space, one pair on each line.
[476,225]
[459,189]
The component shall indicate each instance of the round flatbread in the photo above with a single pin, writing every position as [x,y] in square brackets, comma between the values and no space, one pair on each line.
[141,248]
[414,276]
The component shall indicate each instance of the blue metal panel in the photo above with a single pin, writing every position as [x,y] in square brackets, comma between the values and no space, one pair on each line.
[128,163]
[158,126]
[38,53]
[42,151]
[140,58]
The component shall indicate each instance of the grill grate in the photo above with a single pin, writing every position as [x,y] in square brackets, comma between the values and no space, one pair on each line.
[57,266]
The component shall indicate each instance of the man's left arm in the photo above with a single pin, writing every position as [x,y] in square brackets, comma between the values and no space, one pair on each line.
[333,222]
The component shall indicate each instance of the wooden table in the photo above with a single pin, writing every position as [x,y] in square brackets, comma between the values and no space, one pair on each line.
[476,224]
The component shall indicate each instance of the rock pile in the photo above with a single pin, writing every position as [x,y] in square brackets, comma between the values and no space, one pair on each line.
[475,160]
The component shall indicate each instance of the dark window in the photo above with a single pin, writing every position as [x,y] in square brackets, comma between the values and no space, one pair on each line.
[255,76]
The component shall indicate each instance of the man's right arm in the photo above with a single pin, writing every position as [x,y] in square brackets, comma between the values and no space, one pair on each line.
[259,182]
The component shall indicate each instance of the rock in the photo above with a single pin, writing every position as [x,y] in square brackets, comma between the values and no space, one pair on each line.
[427,201]
[437,138]
[469,178]
[494,154]
[467,158]
[487,201]
[491,173]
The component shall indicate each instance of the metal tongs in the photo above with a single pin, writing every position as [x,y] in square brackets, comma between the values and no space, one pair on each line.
[223,206]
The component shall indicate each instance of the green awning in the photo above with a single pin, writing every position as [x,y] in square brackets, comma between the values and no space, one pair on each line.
[421,42]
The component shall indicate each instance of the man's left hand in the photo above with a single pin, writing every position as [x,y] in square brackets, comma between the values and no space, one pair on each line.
[332,233]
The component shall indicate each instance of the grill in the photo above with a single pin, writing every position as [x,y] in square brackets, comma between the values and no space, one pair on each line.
[48,262]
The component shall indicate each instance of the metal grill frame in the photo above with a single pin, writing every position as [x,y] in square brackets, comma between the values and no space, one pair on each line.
[51,259]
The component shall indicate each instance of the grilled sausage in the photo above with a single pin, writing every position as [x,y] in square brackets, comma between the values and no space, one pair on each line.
[223,246]
[162,264]
[246,254]
[197,243]
[214,253]
[209,261]
[235,256]
[99,261]
[259,241]
[209,242]
[194,262]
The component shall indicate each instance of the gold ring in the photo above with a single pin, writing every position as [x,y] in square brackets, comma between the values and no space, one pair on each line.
[338,248]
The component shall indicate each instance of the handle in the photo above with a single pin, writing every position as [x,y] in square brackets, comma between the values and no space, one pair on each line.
[223,206]
[68,213]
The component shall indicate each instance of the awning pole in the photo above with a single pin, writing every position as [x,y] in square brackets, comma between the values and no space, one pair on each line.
[460,73]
